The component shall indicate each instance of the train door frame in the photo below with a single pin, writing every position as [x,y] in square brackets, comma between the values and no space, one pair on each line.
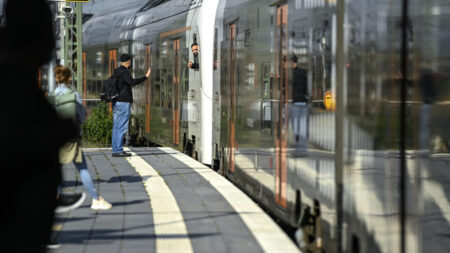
[232,33]
[148,63]
[176,69]
[281,121]
[112,57]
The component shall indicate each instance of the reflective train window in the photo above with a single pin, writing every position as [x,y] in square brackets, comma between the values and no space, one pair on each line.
[99,57]
[124,49]
[185,71]
[215,56]
[163,50]
[247,38]
[300,56]
[163,86]
[321,58]
[99,86]
[169,89]
[266,105]
[265,80]
[157,87]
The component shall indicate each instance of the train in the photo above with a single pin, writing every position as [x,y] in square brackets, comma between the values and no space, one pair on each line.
[346,174]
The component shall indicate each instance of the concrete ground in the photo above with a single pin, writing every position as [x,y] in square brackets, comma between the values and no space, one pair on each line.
[163,201]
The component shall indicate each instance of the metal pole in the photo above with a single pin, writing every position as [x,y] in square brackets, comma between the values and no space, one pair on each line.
[403,90]
[66,40]
[79,48]
[62,36]
[340,107]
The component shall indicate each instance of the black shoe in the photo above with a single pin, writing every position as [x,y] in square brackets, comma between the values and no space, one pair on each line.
[69,201]
[122,154]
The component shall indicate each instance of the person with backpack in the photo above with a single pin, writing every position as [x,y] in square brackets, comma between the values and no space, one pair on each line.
[122,104]
[71,151]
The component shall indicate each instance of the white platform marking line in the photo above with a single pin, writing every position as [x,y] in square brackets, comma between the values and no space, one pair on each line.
[170,228]
[269,236]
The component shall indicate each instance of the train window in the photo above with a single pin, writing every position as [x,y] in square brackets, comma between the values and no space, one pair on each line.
[185,71]
[251,77]
[163,50]
[265,80]
[247,38]
[169,88]
[163,86]
[216,34]
[99,85]
[321,55]
[99,57]
[266,105]
[157,95]
[156,90]
[124,49]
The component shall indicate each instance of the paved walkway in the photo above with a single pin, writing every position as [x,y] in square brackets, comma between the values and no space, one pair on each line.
[163,201]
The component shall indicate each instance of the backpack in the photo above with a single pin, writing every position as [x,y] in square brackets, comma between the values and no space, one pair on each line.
[110,92]
[65,105]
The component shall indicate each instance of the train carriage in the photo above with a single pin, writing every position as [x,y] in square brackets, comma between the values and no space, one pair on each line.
[239,112]
[172,108]
[286,161]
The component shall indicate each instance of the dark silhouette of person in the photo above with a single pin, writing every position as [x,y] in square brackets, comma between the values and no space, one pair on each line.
[194,65]
[427,84]
[31,132]
[299,112]
[299,82]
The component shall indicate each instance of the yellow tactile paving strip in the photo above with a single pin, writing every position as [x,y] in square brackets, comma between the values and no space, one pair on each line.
[167,216]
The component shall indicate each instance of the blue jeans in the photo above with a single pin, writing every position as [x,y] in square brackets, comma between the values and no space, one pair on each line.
[424,126]
[121,115]
[86,178]
[300,124]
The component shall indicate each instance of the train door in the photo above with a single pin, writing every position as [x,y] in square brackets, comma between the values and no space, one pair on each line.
[176,92]
[84,78]
[281,120]
[232,111]
[148,63]
[112,67]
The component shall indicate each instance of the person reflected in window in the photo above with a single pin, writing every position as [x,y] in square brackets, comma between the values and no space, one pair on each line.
[299,119]
[194,65]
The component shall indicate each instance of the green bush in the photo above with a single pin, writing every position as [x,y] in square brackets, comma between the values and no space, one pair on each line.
[97,129]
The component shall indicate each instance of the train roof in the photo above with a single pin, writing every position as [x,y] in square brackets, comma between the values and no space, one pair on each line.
[166,9]
[101,6]
[114,25]
[107,28]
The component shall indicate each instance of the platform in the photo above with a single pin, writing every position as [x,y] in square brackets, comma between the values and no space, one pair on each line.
[163,201]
